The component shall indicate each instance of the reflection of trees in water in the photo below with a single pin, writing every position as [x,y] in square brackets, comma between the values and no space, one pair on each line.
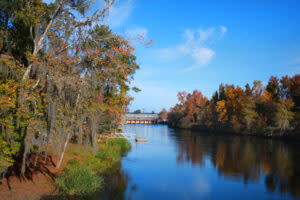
[244,158]
[189,151]
[116,184]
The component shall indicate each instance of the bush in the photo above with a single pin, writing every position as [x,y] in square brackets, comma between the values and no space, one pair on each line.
[120,142]
[7,151]
[78,180]
[109,154]
[113,149]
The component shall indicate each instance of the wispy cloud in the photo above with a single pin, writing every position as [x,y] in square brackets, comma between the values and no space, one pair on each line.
[201,57]
[119,13]
[223,30]
[195,46]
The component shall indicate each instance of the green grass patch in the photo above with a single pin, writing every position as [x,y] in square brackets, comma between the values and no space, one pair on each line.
[78,180]
[84,178]
[109,154]
[120,142]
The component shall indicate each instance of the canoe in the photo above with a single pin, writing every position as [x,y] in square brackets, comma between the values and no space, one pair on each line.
[140,139]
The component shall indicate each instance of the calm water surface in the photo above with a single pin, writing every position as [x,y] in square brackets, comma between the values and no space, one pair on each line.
[176,164]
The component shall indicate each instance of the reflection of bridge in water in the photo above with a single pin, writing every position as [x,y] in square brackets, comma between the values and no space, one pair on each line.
[142,119]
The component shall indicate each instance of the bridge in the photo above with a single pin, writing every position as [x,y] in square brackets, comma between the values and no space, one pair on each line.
[141,119]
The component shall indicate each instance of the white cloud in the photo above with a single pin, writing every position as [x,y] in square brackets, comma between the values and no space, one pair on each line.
[172,53]
[195,47]
[119,13]
[201,57]
[223,30]
[205,34]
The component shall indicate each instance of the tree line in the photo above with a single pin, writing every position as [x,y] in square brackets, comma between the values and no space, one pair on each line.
[63,77]
[271,110]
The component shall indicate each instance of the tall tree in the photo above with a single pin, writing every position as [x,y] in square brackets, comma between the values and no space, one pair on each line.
[163,115]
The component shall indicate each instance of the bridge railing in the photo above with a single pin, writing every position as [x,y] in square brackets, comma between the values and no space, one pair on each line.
[141,118]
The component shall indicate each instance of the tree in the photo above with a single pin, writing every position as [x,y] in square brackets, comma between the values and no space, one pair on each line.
[250,116]
[138,111]
[222,112]
[293,85]
[61,77]
[163,115]
[256,110]
[273,88]
[284,115]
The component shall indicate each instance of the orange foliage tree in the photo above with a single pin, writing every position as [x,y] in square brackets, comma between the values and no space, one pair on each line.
[267,110]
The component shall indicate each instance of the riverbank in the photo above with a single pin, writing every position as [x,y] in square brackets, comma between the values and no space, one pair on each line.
[287,136]
[44,181]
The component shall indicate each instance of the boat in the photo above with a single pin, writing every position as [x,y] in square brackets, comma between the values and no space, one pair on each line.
[140,139]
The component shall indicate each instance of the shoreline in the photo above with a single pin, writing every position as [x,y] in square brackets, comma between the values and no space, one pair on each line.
[289,137]
[39,182]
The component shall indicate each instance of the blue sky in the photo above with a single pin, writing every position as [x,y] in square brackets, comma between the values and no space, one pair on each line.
[200,44]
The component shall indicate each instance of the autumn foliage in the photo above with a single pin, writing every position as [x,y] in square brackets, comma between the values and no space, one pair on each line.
[262,110]
[62,77]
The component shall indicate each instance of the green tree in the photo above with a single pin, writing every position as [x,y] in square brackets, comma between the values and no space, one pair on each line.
[284,115]
[250,116]
[138,111]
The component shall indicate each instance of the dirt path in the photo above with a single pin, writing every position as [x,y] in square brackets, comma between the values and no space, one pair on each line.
[37,182]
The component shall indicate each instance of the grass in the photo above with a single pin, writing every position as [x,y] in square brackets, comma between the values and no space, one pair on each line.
[120,142]
[78,180]
[81,178]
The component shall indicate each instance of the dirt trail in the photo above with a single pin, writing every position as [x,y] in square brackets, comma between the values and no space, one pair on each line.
[37,182]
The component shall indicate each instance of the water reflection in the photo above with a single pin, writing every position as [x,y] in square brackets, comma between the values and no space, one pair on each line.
[244,158]
[177,164]
[116,185]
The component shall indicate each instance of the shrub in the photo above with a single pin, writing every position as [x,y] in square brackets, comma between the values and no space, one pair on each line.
[109,154]
[78,180]
[121,142]
[7,151]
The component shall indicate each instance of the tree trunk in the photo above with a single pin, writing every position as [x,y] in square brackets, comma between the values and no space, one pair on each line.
[46,150]
[3,130]
[63,152]
[41,142]
[22,132]
[80,135]
[26,149]
[86,147]
[37,155]
[93,136]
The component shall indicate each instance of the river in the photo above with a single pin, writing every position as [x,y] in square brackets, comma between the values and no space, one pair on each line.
[178,164]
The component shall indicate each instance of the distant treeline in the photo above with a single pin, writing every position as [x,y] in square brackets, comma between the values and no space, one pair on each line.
[272,110]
